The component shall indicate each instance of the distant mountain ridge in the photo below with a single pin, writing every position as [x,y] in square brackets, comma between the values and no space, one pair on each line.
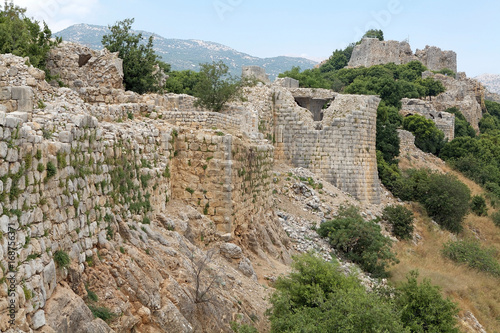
[491,81]
[188,54]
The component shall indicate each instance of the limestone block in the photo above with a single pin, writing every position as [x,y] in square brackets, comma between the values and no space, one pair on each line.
[231,251]
[5,93]
[246,268]
[24,98]
[21,115]
[4,224]
[12,121]
[49,278]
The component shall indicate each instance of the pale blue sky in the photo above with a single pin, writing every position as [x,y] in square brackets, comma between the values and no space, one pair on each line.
[311,29]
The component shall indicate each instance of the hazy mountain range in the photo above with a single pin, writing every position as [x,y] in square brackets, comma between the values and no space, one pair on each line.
[491,81]
[188,54]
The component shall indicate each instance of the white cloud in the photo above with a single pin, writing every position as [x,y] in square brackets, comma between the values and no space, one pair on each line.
[58,14]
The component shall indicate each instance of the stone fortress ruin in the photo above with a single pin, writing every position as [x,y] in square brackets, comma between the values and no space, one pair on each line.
[89,160]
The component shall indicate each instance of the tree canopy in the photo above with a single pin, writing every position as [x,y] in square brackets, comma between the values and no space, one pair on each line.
[215,86]
[23,36]
[141,65]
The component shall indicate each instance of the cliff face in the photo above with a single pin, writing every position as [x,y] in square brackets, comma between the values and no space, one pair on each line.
[372,52]
[462,92]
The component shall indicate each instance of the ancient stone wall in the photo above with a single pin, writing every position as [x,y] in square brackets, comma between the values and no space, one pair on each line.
[435,59]
[444,121]
[255,73]
[226,178]
[78,66]
[203,119]
[372,52]
[341,149]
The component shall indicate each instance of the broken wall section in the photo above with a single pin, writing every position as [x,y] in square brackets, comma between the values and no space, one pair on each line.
[78,66]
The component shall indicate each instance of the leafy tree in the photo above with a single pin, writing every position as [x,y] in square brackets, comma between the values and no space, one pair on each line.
[432,87]
[141,66]
[423,307]
[215,86]
[359,240]
[23,36]
[427,137]
[317,297]
[445,198]
[447,201]
[182,82]
[374,33]
[401,219]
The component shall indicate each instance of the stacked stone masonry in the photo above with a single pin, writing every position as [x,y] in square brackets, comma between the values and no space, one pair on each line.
[372,52]
[78,66]
[444,121]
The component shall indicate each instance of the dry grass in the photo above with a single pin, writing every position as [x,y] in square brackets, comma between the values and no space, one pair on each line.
[474,291]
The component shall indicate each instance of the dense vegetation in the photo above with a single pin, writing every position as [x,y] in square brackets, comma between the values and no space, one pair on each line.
[478,157]
[23,36]
[141,66]
[445,198]
[359,240]
[317,297]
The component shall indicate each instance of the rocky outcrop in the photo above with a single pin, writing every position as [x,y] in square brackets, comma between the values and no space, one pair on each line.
[372,51]
[66,312]
[435,59]
[462,92]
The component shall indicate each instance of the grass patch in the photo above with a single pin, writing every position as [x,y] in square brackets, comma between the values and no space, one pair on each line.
[102,312]
[61,258]
[471,253]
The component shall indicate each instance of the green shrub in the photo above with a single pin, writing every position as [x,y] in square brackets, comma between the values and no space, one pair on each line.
[427,136]
[359,240]
[317,297]
[423,307]
[51,169]
[478,206]
[471,253]
[91,295]
[242,328]
[61,258]
[40,167]
[445,198]
[401,220]
[215,86]
[102,312]
[496,218]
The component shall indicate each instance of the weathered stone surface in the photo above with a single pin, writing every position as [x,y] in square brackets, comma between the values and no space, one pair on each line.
[372,52]
[66,312]
[79,66]
[444,121]
[246,268]
[38,319]
[255,72]
[231,251]
[461,92]
[287,82]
